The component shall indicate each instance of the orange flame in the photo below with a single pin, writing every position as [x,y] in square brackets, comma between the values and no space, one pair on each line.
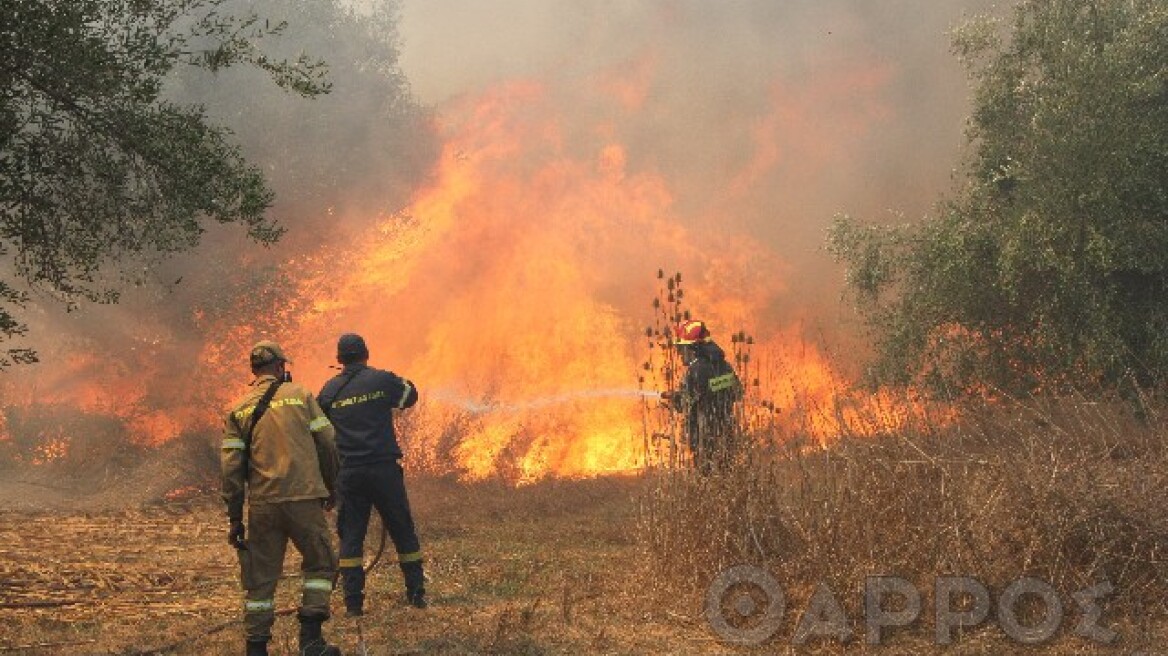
[505,283]
[513,288]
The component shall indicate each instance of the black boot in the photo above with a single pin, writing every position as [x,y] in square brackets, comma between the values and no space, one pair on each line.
[354,605]
[416,598]
[415,583]
[257,648]
[311,641]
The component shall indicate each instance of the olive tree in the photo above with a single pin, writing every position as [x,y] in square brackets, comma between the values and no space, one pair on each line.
[1049,266]
[97,168]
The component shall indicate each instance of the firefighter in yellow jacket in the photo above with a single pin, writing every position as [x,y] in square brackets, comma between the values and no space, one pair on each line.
[279,451]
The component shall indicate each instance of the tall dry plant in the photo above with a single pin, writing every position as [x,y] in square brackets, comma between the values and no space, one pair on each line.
[662,371]
[1070,491]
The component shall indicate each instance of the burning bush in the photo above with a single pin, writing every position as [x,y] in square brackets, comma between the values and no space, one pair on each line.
[79,458]
[65,437]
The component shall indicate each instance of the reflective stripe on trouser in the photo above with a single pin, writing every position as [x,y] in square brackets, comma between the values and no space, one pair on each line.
[381,486]
[270,527]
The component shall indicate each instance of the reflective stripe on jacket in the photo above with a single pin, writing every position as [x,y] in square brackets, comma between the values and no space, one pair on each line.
[708,391]
[293,452]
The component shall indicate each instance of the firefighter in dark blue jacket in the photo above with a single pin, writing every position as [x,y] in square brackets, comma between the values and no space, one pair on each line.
[708,392]
[360,402]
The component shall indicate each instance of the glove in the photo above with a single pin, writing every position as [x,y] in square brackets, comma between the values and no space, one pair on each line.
[236,534]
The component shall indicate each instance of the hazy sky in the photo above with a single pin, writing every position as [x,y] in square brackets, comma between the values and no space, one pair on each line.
[777,114]
[455,46]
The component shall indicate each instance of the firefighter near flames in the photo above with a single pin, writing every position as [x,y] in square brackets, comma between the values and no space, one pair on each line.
[279,459]
[705,398]
[361,402]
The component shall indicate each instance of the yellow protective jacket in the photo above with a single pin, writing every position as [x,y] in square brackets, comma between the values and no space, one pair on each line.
[293,453]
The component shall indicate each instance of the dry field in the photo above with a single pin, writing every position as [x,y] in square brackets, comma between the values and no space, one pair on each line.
[1073,494]
[551,568]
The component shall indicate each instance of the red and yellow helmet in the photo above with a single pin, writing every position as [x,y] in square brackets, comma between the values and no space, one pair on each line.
[691,332]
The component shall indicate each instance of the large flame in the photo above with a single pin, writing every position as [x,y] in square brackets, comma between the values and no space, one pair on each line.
[504,291]
[514,288]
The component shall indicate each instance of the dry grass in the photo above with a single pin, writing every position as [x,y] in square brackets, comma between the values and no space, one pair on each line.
[547,568]
[1071,492]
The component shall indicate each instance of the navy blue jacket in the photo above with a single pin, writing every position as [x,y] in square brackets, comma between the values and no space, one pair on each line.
[360,402]
[708,391]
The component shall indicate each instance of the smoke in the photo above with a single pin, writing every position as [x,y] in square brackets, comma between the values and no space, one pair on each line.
[767,117]
[335,162]
[488,205]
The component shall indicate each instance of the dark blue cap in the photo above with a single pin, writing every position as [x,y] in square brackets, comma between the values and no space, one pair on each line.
[351,344]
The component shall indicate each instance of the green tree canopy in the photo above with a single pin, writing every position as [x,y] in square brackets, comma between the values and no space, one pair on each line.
[1049,268]
[95,165]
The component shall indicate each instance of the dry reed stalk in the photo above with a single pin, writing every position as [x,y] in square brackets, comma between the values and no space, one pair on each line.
[1069,491]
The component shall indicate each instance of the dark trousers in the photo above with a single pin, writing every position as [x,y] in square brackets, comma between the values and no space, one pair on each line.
[381,486]
[711,439]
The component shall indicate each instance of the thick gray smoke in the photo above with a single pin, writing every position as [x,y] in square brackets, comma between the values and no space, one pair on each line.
[775,114]
[356,152]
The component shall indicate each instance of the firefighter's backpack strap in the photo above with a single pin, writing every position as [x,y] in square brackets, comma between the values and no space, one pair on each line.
[260,408]
[327,407]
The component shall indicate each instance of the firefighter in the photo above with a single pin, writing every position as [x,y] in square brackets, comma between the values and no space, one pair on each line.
[360,402]
[279,452]
[706,396]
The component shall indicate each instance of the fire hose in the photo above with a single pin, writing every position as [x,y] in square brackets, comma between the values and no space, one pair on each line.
[380,551]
